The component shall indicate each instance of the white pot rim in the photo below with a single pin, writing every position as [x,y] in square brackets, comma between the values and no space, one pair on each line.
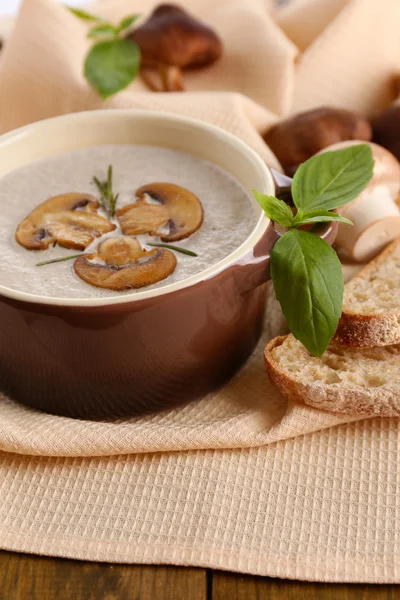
[22,136]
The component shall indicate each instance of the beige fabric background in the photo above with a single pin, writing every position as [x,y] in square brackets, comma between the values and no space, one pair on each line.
[318,506]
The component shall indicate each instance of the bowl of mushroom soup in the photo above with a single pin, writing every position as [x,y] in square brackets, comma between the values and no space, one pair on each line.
[133,261]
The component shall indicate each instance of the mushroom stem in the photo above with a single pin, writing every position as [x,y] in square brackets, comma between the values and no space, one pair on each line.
[376,219]
[171,78]
[151,79]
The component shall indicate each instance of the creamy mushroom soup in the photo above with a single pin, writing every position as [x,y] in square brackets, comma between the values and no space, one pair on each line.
[228,219]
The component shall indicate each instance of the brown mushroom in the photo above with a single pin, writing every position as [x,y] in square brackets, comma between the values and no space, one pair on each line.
[121,264]
[69,220]
[296,139]
[386,130]
[171,40]
[174,214]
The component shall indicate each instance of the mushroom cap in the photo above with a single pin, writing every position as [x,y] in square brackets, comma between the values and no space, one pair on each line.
[172,36]
[374,213]
[386,130]
[69,220]
[175,215]
[121,264]
[296,139]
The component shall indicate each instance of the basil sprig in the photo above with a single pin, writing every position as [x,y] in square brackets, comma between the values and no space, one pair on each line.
[305,270]
[113,62]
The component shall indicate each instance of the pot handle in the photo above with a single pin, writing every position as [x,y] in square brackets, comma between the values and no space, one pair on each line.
[253,269]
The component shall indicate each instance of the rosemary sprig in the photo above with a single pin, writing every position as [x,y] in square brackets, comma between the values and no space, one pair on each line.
[171,247]
[55,260]
[107,198]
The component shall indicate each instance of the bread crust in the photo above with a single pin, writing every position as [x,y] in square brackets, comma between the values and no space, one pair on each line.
[370,330]
[383,401]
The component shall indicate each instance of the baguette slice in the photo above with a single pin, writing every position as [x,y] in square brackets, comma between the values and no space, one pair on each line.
[371,303]
[344,380]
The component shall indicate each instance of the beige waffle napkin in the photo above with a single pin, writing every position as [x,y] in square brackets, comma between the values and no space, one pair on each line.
[322,505]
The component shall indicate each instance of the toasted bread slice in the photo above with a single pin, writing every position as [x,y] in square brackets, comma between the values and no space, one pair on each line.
[344,380]
[371,303]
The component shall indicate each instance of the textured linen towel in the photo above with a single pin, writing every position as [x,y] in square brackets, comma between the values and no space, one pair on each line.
[255,484]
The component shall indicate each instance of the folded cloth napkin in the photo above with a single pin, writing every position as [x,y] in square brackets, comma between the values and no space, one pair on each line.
[318,506]
[346,55]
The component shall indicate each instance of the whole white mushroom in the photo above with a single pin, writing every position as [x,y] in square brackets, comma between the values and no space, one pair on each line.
[375,213]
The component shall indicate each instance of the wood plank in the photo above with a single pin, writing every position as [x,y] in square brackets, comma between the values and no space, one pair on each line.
[26,577]
[228,586]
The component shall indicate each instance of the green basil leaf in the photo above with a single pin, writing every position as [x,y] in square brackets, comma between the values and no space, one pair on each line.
[308,283]
[102,29]
[127,22]
[85,16]
[332,179]
[111,65]
[275,209]
[318,216]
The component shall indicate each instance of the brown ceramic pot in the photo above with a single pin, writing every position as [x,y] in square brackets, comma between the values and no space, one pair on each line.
[151,350]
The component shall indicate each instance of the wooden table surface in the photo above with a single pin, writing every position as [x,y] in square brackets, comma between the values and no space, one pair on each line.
[26,577]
